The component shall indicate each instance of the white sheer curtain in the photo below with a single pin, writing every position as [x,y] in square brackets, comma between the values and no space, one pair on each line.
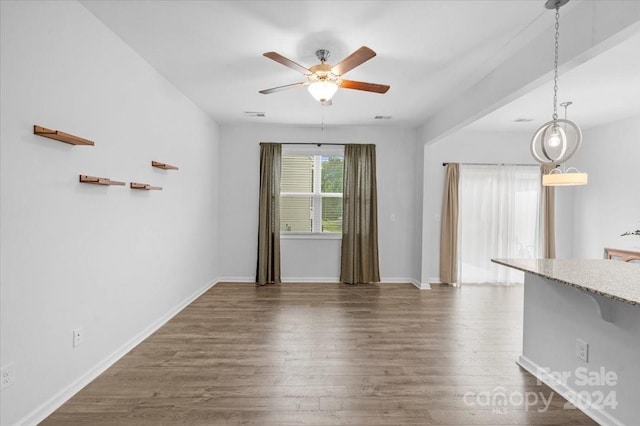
[499,217]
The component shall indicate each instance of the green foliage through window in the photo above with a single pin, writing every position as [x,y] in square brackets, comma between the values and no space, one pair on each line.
[311,193]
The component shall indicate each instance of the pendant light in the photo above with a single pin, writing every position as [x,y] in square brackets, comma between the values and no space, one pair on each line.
[569,177]
[556,141]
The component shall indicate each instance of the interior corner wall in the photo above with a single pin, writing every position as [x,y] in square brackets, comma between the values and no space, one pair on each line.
[313,259]
[609,204]
[419,219]
[472,146]
[110,260]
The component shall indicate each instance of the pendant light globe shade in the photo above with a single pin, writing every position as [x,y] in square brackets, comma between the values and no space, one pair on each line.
[323,91]
[556,141]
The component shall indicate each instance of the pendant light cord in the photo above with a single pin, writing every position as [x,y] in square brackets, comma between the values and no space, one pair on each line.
[555,67]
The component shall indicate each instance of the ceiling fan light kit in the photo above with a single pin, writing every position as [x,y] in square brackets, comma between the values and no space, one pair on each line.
[556,141]
[323,79]
[323,91]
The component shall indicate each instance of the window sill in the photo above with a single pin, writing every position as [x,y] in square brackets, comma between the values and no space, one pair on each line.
[311,236]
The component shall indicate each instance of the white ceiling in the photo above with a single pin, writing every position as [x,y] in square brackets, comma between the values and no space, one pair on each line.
[604,89]
[428,51]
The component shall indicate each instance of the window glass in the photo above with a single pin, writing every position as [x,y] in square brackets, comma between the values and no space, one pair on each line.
[311,193]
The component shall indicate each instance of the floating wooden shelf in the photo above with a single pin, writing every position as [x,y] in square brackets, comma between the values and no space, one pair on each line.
[99,180]
[163,165]
[144,186]
[61,136]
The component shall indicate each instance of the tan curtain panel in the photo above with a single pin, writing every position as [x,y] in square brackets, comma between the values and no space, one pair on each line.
[449,226]
[359,261]
[269,214]
[548,215]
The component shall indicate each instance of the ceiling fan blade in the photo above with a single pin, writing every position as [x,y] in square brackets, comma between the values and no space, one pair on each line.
[367,87]
[358,57]
[280,88]
[287,62]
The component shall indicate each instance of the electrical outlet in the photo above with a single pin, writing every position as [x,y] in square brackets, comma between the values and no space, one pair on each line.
[78,335]
[582,350]
[7,376]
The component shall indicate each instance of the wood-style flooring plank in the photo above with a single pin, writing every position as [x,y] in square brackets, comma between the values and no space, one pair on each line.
[325,354]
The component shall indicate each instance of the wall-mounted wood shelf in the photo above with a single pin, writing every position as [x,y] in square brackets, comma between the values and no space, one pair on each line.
[163,165]
[144,186]
[61,136]
[99,180]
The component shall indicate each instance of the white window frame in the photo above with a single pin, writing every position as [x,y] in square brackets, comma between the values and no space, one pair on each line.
[317,152]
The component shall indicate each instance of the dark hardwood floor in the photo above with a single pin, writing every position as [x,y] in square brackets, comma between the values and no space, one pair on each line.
[327,354]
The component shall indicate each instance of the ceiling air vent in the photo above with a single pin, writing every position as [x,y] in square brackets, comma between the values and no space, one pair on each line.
[382,117]
[254,114]
[523,120]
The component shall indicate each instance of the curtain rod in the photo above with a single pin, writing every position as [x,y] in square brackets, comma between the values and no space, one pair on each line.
[307,143]
[492,164]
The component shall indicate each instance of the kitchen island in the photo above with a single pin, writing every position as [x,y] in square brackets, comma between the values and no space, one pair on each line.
[581,333]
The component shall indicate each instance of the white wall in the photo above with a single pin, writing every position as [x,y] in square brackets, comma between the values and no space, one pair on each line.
[555,315]
[472,146]
[110,260]
[239,146]
[610,204]
[420,216]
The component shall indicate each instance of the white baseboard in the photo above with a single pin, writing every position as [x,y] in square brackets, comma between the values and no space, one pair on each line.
[598,415]
[237,279]
[330,280]
[435,280]
[414,282]
[391,280]
[48,407]
[421,286]
[310,280]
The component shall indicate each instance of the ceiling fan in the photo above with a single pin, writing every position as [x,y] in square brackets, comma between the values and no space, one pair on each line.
[323,79]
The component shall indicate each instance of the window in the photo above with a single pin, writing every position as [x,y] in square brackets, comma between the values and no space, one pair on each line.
[499,217]
[311,191]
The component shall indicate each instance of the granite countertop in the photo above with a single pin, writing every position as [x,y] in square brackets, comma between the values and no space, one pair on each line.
[611,278]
